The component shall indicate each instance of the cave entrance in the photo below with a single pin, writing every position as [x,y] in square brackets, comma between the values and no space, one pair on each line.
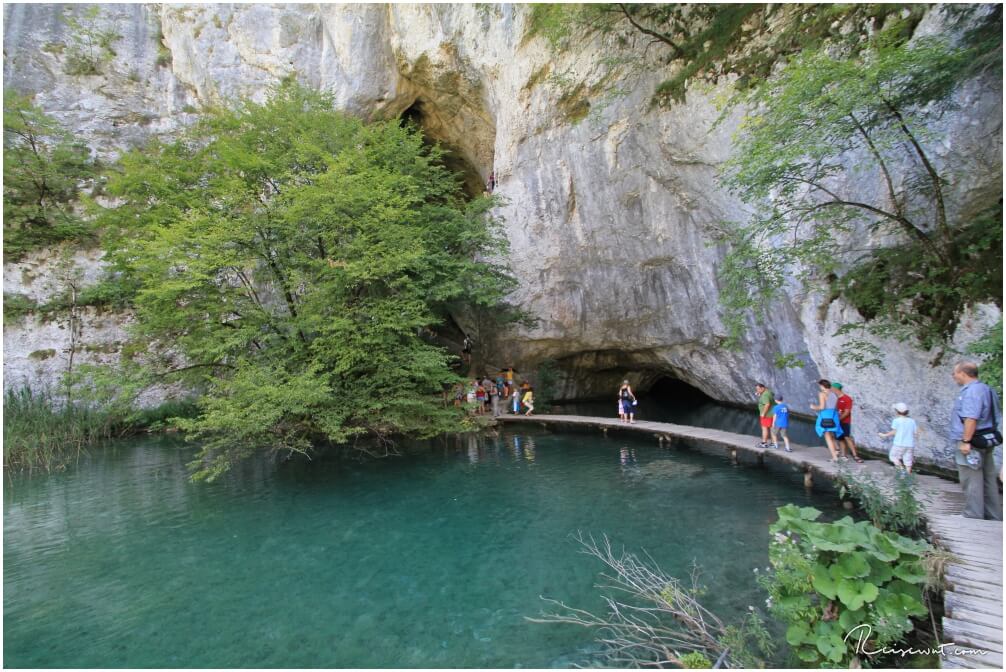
[677,392]
[422,116]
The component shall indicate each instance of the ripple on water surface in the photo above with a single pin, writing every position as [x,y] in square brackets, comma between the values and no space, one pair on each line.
[429,560]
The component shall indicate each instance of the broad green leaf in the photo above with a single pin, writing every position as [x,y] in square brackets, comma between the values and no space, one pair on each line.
[854,594]
[823,582]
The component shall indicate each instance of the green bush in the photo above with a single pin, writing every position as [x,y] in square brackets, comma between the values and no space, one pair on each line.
[831,583]
[897,510]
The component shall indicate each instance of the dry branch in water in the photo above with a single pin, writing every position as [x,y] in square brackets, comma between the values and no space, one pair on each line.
[658,621]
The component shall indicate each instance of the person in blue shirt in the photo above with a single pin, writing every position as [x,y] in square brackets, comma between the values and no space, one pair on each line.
[975,408]
[780,425]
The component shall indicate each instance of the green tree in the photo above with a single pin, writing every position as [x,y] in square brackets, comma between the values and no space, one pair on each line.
[902,256]
[43,170]
[286,258]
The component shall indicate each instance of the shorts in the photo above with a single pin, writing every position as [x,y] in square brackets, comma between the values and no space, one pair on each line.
[903,454]
[846,429]
[764,422]
[783,431]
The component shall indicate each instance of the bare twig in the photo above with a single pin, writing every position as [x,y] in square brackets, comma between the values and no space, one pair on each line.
[657,622]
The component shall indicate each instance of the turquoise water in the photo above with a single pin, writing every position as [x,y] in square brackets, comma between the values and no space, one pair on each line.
[428,560]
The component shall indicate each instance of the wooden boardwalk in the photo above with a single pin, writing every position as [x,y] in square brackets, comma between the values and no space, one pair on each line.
[973,588]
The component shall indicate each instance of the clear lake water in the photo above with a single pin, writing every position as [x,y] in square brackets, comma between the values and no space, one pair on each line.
[432,559]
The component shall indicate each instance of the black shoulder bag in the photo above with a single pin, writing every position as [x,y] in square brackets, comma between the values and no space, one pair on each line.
[986,438]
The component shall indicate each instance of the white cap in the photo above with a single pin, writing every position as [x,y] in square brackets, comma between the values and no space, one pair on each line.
[901,407]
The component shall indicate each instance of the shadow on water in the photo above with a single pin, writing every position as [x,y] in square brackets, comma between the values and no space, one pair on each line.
[677,402]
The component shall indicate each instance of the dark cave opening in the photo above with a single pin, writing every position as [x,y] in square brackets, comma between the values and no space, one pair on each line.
[676,391]
[421,116]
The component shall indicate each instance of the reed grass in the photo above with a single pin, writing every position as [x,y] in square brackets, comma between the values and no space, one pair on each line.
[40,431]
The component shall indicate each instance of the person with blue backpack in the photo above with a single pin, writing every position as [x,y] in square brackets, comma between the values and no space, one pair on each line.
[780,424]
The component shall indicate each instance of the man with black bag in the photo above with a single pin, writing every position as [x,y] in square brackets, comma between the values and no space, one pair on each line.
[974,427]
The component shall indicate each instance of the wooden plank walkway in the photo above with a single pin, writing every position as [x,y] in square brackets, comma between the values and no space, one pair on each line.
[973,584]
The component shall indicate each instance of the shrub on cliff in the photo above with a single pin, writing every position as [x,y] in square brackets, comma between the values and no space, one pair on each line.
[286,258]
[43,170]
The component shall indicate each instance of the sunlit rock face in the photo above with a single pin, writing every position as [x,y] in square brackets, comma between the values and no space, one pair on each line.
[611,206]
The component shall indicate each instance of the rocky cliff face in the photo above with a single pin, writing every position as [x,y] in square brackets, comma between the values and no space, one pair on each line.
[610,205]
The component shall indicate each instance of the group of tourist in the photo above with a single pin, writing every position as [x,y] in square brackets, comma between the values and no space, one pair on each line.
[487,395]
[974,433]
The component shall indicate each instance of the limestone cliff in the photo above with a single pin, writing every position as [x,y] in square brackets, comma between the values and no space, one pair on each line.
[611,205]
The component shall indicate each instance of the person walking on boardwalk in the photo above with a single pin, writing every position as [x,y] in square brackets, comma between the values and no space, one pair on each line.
[906,434]
[828,424]
[780,423]
[627,403]
[766,402]
[515,399]
[495,390]
[845,418]
[529,401]
[974,429]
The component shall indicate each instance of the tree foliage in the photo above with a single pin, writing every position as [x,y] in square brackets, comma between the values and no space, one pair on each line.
[705,41]
[827,125]
[285,258]
[44,168]
[990,349]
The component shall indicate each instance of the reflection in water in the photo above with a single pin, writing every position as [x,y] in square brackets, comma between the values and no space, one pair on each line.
[523,448]
[529,449]
[473,449]
[627,455]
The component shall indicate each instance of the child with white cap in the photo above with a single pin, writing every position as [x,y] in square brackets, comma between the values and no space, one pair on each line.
[905,433]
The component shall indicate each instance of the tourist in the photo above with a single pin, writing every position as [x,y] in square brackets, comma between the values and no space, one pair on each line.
[766,402]
[480,398]
[459,395]
[494,397]
[515,398]
[974,428]
[780,424]
[488,386]
[906,434]
[627,403]
[466,349]
[828,424]
[529,401]
[845,418]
